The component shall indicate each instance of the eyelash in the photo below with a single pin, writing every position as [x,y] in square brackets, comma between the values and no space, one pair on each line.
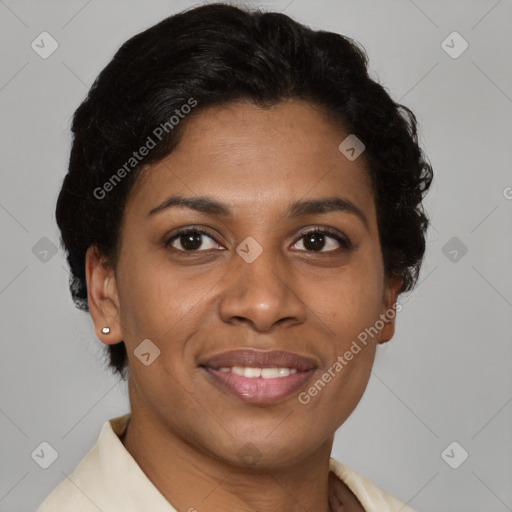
[343,241]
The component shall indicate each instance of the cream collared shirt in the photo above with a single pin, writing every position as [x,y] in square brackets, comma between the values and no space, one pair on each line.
[108,479]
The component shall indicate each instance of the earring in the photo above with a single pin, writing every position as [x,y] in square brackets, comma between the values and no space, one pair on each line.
[105,330]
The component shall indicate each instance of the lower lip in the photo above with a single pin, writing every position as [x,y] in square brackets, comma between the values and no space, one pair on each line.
[259,390]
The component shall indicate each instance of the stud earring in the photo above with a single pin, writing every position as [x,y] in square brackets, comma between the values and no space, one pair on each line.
[105,330]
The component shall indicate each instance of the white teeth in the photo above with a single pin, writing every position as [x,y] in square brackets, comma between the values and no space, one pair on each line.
[264,373]
[252,373]
[270,373]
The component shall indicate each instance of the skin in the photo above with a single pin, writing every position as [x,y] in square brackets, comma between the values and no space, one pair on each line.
[185,433]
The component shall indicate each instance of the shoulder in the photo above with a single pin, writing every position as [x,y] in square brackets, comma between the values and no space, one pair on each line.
[86,488]
[372,497]
[72,492]
[66,497]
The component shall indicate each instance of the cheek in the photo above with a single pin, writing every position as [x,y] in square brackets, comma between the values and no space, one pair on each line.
[337,389]
[350,301]
[155,299]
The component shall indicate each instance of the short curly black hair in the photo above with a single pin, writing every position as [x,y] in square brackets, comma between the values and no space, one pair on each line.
[212,55]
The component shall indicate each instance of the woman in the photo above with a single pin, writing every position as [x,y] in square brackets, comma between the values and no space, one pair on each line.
[242,209]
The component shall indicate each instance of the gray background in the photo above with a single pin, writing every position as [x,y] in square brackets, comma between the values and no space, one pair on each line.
[446,376]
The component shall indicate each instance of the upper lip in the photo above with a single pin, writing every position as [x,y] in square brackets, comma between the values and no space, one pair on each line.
[260,359]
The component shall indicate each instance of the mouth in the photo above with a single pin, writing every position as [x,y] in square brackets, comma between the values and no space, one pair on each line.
[258,376]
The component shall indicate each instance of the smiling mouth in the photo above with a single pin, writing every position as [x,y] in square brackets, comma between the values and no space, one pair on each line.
[257,376]
[255,373]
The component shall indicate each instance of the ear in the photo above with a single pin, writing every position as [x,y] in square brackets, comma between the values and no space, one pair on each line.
[389,309]
[102,296]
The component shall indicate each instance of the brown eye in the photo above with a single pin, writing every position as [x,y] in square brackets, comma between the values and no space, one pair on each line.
[319,239]
[190,240]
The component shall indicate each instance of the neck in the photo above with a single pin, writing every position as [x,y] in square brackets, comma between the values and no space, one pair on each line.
[191,479]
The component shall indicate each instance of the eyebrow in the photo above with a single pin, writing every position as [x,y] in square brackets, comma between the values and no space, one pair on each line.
[210,206]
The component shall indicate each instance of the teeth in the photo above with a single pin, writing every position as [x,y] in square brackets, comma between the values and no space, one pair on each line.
[252,373]
[271,373]
[264,373]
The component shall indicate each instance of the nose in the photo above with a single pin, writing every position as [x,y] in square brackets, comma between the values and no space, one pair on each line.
[263,294]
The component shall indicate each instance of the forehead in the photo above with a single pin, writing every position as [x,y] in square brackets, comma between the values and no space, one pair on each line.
[247,156]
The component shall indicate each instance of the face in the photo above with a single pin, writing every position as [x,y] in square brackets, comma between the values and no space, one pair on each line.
[254,279]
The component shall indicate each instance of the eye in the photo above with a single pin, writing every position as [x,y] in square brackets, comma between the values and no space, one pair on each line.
[190,240]
[315,240]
